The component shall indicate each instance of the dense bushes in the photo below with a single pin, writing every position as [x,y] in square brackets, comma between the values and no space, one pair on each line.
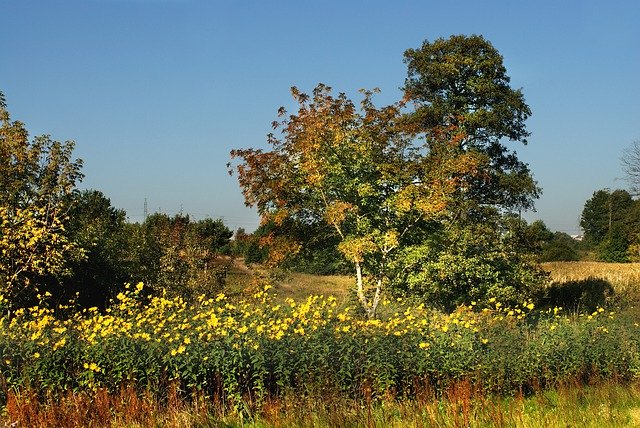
[257,348]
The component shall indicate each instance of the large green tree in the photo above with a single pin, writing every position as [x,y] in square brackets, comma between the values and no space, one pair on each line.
[609,221]
[359,173]
[462,81]
[602,211]
[103,233]
[37,177]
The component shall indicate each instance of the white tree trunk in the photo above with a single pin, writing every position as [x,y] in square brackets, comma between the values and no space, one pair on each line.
[369,308]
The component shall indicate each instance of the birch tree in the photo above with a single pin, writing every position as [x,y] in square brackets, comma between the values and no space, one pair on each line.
[357,171]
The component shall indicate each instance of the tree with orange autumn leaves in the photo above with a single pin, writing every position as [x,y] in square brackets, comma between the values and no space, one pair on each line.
[359,172]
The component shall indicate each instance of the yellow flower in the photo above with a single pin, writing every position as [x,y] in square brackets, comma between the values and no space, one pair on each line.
[424,345]
[93,367]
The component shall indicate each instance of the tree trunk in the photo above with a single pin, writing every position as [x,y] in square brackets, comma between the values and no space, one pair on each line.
[370,309]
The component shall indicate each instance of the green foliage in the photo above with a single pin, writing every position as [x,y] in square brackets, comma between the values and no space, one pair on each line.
[602,211]
[179,255]
[614,247]
[102,232]
[462,81]
[561,248]
[610,223]
[255,348]
[471,264]
[319,255]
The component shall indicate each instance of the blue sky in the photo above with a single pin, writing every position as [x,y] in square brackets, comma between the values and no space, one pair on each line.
[157,92]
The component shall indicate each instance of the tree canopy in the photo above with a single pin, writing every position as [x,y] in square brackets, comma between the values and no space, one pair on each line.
[462,81]
[397,188]
[37,178]
[358,172]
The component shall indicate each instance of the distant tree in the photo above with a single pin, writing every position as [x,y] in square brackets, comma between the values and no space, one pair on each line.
[37,177]
[526,238]
[462,81]
[561,248]
[212,234]
[602,211]
[241,243]
[631,165]
[102,232]
[632,224]
[182,256]
[319,255]
[594,220]
[615,245]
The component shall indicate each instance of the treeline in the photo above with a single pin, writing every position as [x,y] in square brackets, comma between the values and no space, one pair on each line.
[172,254]
[69,245]
[611,224]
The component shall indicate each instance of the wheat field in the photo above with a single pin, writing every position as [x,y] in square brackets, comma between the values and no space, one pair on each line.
[623,277]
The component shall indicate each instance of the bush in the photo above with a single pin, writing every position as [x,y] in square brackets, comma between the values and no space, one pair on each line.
[259,348]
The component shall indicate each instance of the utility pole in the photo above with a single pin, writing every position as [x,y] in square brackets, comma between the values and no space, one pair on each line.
[146,211]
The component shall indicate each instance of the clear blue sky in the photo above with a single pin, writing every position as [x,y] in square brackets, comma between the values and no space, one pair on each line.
[156,93]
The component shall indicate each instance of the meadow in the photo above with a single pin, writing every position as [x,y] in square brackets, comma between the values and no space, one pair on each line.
[295,352]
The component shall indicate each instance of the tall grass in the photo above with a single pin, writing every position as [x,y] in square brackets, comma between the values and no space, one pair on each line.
[604,405]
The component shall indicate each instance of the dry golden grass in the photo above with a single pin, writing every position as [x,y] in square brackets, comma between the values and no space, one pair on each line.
[299,286]
[623,277]
[603,405]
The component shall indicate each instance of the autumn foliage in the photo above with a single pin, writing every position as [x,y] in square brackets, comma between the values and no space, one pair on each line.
[359,172]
